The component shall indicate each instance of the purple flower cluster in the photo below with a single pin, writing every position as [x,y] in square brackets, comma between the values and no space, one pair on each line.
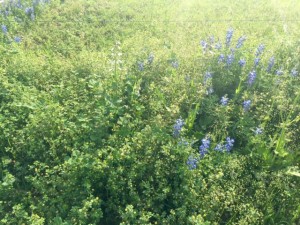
[227,58]
[10,5]
[203,149]
[229,37]
[256,62]
[251,77]
[224,100]
[192,162]
[246,105]
[260,50]
[204,45]
[219,147]
[30,12]
[140,65]
[4,29]
[207,77]
[150,58]
[209,44]
[240,42]
[279,72]
[230,59]
[227,146]
[242,62]
[19,4]
[294,72]
[221,58]
[175,64]
[17,39]
[177,127]
[258,131]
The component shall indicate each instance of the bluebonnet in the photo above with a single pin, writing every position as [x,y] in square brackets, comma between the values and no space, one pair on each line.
[19,4]
[218,45]
[17,39]
[240,41]
[212,39]
[140,66]
[271,64]
[279,72]
[229,144]
[224,100]
[230,59]
[221,58]
[220,147]
[150,58]
[294,72]
[30,12]
[256,61]
[175,64]
[203,149]
[192,162]
[4,29]
[207,76]
[251,77]
[258,131]
[260,50]
[246,105]
[242,62]
[203,44]
[229,37]
[177,127]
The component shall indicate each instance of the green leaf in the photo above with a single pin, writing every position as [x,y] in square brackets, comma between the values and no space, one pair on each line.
[192,116]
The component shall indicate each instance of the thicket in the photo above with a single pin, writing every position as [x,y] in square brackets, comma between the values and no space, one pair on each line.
[154,139]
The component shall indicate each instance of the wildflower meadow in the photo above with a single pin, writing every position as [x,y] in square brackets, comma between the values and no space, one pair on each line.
[149,112]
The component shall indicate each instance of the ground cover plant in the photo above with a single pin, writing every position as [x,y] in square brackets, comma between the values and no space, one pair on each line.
[149,112]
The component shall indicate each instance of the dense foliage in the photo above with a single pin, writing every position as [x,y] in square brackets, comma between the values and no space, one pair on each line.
[109,117]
